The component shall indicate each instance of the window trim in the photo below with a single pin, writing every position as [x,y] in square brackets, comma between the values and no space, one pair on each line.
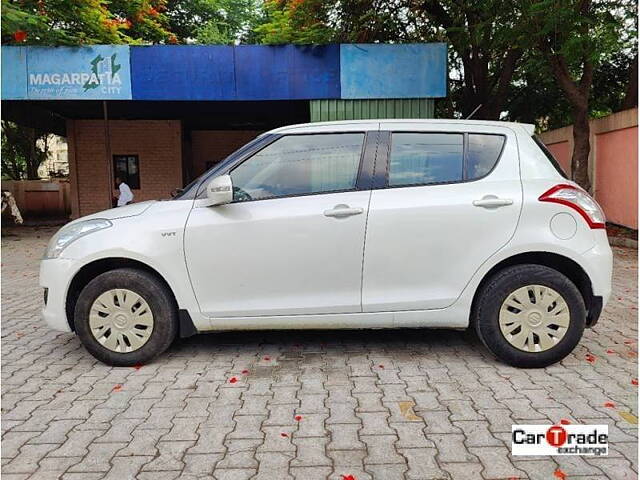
[113,159]
[465,149]
[362,176]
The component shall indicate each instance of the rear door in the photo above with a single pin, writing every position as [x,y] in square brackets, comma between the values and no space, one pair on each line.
[446,200]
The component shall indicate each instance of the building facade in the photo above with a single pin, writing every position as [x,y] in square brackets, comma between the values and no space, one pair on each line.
[159,116]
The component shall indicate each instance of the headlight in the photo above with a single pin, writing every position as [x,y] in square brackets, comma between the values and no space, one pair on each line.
[71,233]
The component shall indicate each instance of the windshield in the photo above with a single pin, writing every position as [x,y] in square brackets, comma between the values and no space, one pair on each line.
[549,156]
[190,191]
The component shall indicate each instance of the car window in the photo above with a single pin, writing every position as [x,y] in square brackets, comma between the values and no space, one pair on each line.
[299,165]
[431,158]
[423,158]
[482,155]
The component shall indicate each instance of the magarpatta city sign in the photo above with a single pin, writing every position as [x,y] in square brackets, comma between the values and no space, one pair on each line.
[97,72]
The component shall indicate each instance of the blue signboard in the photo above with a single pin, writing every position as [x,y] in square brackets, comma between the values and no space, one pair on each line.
[14,73]
[393,71]
[287,72]
[218,72]
[181,72]
[79,73]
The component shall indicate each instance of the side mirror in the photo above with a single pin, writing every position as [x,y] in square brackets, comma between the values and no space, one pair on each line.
[220,191]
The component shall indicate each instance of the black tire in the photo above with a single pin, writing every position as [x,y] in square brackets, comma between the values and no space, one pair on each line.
[494,292]
[157,296]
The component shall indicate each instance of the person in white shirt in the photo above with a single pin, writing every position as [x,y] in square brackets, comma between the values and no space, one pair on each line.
[126,196]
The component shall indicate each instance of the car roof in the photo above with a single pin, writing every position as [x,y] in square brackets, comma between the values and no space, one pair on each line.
[308,127]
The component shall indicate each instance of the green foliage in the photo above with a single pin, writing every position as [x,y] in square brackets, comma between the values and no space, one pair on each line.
[72,22]
[23,150]
[211,21]
[295,21]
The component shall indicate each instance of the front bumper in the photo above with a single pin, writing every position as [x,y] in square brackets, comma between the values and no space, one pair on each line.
[55,276]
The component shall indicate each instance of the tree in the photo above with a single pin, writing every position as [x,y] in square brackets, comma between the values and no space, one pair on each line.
[211,21]
[69,22]
[23,150]
[573,36]
[295,21]
[486,48]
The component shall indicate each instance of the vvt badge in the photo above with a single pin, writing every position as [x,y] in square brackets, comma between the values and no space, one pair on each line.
[560,439]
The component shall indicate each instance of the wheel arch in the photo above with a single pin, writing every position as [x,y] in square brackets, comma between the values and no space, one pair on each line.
[97,267]
[565,265]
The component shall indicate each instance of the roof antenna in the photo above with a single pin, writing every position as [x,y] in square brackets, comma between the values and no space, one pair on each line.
[472,113]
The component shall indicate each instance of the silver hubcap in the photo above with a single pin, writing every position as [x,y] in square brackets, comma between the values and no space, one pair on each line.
[534,318]
[121,320]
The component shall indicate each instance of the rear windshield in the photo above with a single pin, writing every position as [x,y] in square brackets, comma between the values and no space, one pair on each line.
[549,156]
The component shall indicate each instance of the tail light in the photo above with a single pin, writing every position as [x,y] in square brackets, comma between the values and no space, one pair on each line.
[579,200]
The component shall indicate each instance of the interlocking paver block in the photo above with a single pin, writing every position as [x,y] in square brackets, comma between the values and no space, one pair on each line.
[422,463]
[311,452]
[99,457]
[126,467]
[497,462]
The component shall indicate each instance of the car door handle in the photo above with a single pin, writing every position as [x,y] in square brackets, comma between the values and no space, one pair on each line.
[342,211]
[491,201]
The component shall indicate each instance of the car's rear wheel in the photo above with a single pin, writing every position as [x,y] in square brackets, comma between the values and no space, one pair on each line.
[126,317]
[529,316]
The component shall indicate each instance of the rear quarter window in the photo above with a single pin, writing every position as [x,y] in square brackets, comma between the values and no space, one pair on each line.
[482,154]
[549,155]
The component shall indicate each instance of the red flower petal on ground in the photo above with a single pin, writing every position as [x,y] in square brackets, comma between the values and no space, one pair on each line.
[590,358]
[634,381]
[284,435]
[629,342]
[233,380]
[245,372]
[20,36]
[609,404]
[298,418]
[137,367]
[559,474]
[610,352]
[380,366]
[266,359]
[117,388]
[564,421]
[348,477]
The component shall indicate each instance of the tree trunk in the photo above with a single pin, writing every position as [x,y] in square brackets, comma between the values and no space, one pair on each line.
[581,147]
[32,160]
[631,95]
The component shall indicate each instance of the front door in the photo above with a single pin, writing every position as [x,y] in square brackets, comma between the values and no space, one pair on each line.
[451,199]
[292,241]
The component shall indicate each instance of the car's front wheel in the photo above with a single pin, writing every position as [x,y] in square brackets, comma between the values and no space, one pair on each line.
[126,317]
[529,316]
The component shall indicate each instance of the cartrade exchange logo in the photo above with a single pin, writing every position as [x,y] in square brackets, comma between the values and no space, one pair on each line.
[560,440]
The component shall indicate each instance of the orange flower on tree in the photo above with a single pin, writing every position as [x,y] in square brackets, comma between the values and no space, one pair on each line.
[20,36]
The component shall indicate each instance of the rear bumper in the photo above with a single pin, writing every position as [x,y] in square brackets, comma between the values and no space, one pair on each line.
[598,264]
[595,309]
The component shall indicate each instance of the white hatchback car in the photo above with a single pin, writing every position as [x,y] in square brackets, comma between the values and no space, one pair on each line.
[360,224]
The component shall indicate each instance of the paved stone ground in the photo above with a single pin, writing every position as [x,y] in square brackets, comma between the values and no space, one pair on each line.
[377,404]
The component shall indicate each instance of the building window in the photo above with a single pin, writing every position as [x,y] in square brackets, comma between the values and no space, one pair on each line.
[127,168]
